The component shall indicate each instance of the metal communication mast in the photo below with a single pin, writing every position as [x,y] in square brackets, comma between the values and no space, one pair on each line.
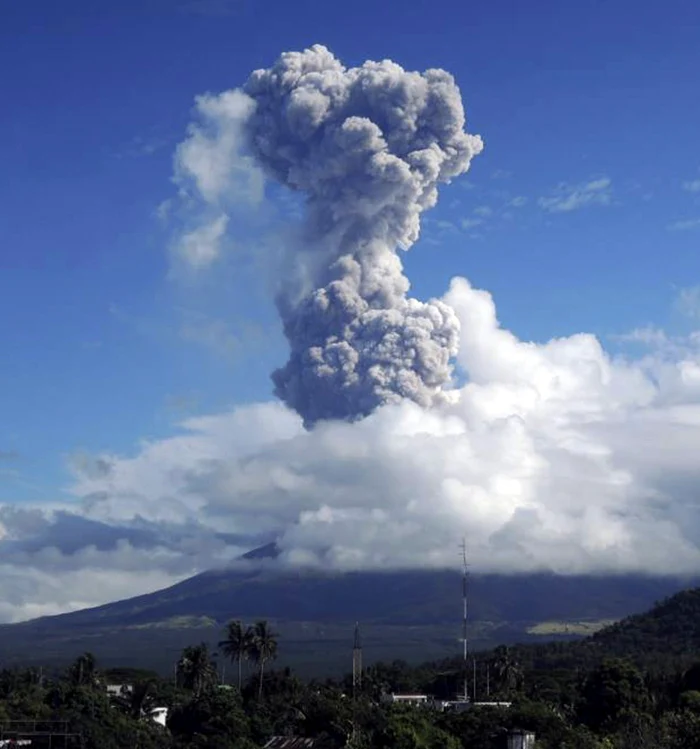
[465,573]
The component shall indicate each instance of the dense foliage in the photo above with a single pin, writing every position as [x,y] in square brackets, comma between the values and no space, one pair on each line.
[635,685]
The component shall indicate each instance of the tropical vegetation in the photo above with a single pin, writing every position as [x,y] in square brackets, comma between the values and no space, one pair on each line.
[636,684]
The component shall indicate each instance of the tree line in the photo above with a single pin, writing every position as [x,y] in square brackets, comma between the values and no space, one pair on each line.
[567,699]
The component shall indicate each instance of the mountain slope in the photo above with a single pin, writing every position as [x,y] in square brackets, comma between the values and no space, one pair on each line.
[672,627]
[409,614]
[669,632]
[405,597]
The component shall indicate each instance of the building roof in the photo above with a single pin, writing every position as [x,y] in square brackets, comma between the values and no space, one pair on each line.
[408,696]
[289,742]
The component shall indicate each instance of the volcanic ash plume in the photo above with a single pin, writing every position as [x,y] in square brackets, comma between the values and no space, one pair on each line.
[368,147]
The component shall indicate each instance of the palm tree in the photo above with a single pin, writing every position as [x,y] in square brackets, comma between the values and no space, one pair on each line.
[195,669]
[84,670]
[263,648]
[136,701]
[507,669]
[237,645]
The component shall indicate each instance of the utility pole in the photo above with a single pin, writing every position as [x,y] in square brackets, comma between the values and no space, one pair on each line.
[356,661]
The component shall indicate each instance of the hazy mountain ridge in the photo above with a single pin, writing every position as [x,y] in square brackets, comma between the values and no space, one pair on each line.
[404,597]
[313,611]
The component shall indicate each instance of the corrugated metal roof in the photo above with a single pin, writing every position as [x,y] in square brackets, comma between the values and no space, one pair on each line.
[289,742]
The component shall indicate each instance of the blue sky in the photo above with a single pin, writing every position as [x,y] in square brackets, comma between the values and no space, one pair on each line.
[589,107]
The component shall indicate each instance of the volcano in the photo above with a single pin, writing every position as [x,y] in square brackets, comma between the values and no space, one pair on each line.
[413,614]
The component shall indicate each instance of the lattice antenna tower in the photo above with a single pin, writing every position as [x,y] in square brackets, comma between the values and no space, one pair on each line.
[465,647]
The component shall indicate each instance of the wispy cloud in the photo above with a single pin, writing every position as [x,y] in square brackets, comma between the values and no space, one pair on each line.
[139,324]
[485,208]
[230,339]
[688,302]
[573,197]
[444,225]
[487,216]
[685,225]
[227,339]
[470,223]
[648,335]
[692,185]
[142,146]
[201,246]
[212,333]
[665,353]
[182,403]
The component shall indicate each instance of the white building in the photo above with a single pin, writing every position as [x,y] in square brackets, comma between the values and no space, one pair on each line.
[492,704]
[521,740]
[159,715]
[459,706]
[116,690]
[406,699]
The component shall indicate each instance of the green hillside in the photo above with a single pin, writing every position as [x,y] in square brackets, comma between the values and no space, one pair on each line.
[672,628]
[666,636]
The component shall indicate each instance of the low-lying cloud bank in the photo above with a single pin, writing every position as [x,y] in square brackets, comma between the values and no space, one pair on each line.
[553,456]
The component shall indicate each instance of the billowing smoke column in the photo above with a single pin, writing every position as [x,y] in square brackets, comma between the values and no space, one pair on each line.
[368,147]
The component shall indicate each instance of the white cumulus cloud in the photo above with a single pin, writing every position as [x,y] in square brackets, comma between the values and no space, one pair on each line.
[552,456]
[215,177]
